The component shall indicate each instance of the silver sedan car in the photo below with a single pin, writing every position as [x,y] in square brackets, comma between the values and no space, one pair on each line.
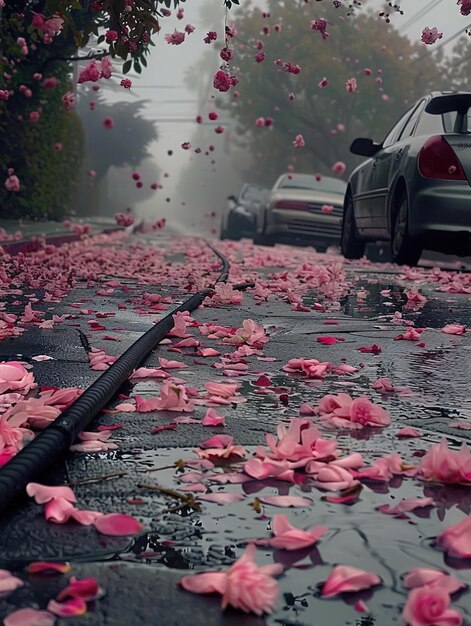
[414,189]
[303,207]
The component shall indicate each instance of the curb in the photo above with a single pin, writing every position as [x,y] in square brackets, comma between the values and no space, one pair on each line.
[36,243]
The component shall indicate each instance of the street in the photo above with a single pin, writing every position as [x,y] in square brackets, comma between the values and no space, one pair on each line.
[366,330]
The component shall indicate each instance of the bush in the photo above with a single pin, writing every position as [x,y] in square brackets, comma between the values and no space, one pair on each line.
[48,178]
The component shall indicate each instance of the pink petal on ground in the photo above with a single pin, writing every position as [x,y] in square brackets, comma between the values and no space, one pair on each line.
[263,381]
[222,498]
[420,576]
[406,505]
[118,524]
[361,607]
[288,537]
[29,617]
[183,419]
[344,578]
[69,608]
[210,582]
[285,501]
[456,539]
[374,349]
[454,329]
[44,493]
[460,424]
[158,429]
[206,352]
[327,340]
[234,478]
[168,364]
[427,606]
[213,419]
[85,588]
[127,407]
[46,567]
[307,409]
[408,431]
[148,372]
[8,582]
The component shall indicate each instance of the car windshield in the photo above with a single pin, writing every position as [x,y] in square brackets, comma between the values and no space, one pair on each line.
[254,193]
[309,181]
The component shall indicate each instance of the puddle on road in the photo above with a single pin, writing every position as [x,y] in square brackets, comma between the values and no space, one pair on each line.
[366,302]
[358,535]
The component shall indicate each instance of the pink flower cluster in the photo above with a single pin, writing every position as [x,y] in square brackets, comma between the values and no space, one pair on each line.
[429,600]
[430,35]
[343,411]
[244,586]
[223,81]
[96,70]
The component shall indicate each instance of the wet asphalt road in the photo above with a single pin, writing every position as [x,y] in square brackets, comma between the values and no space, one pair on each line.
[140,576]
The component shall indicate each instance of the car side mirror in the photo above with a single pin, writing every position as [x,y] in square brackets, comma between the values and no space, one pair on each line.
[233,198]
[364,147]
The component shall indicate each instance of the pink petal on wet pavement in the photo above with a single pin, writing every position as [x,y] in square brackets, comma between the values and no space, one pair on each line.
[344,578]
[118,524]
[285,501]
[29,617]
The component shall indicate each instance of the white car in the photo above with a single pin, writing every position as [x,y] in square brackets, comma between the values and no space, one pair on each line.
[303,207]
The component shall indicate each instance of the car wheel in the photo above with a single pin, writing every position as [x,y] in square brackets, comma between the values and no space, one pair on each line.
[261,239]
[405,250]
[352,246]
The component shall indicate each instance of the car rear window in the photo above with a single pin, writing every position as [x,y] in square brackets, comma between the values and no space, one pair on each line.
[307,181]
[449,121]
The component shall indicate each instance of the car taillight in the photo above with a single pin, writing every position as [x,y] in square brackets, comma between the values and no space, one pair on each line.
[292,204]
[438,160]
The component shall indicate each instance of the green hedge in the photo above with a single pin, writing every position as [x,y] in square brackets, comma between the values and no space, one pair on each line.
[48,178]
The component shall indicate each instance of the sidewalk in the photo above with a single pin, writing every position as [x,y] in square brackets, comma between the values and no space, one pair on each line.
[16,236]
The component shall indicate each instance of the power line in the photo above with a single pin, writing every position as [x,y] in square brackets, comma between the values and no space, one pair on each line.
[417,16]
[452,38]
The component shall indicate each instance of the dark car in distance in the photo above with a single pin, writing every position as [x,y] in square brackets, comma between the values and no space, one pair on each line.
[241,212]
[414,189]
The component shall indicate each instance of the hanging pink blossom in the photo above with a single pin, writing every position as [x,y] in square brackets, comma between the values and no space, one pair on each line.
[351,85]
[12,183]
[211,36]
[430,35]
[222,81]
[299,141]
[176,38]
[339,168]
[320,26]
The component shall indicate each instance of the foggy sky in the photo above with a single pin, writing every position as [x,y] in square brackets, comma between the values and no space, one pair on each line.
[174,106]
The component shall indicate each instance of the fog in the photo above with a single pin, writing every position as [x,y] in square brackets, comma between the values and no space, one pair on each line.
[195,186]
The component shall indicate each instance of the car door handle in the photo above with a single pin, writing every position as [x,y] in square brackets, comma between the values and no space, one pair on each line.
[374,164]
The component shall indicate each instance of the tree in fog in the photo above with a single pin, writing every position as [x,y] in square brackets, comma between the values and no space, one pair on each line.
[390,74]
[125,144]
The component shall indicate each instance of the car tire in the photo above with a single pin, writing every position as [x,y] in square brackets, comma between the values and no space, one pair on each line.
[351,245]
[405,250]
[261,239]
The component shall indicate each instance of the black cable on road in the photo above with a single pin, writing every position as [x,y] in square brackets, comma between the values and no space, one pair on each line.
[52,444]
